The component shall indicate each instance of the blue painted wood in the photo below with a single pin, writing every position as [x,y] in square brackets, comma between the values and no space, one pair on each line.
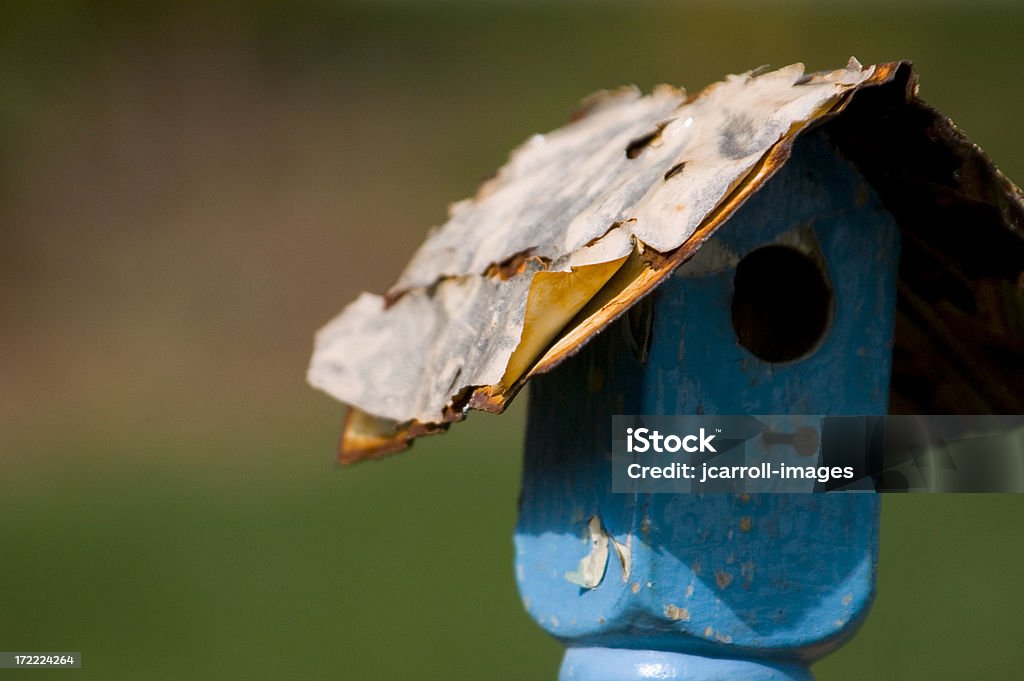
[718,585]
[611,664]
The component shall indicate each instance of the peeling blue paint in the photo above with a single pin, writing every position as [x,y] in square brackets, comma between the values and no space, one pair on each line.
[717,581]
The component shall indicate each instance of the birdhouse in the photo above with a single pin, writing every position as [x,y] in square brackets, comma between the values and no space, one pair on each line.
[781,243]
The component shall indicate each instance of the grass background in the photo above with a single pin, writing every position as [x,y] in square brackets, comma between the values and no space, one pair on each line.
[188,191]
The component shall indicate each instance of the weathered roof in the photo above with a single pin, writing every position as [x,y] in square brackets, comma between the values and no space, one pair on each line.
[579,225]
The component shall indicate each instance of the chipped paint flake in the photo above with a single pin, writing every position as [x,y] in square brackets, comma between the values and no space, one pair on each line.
[674,612]
[625,555]
[590,572]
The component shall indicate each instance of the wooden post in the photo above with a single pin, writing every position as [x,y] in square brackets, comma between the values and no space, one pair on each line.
[719,586]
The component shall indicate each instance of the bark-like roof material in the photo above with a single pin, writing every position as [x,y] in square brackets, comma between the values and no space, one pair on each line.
[584,221]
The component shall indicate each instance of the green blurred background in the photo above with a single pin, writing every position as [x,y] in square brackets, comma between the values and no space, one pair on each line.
[189,190]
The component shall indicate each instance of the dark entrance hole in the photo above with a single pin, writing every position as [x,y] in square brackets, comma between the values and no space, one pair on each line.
[781,303]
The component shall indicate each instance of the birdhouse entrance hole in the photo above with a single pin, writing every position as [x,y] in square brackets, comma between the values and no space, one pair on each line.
[782,303]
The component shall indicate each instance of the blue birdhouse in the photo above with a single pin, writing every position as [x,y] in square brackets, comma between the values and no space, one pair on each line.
[781,243]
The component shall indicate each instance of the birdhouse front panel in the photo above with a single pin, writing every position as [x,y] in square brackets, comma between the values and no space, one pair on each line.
[787,575]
